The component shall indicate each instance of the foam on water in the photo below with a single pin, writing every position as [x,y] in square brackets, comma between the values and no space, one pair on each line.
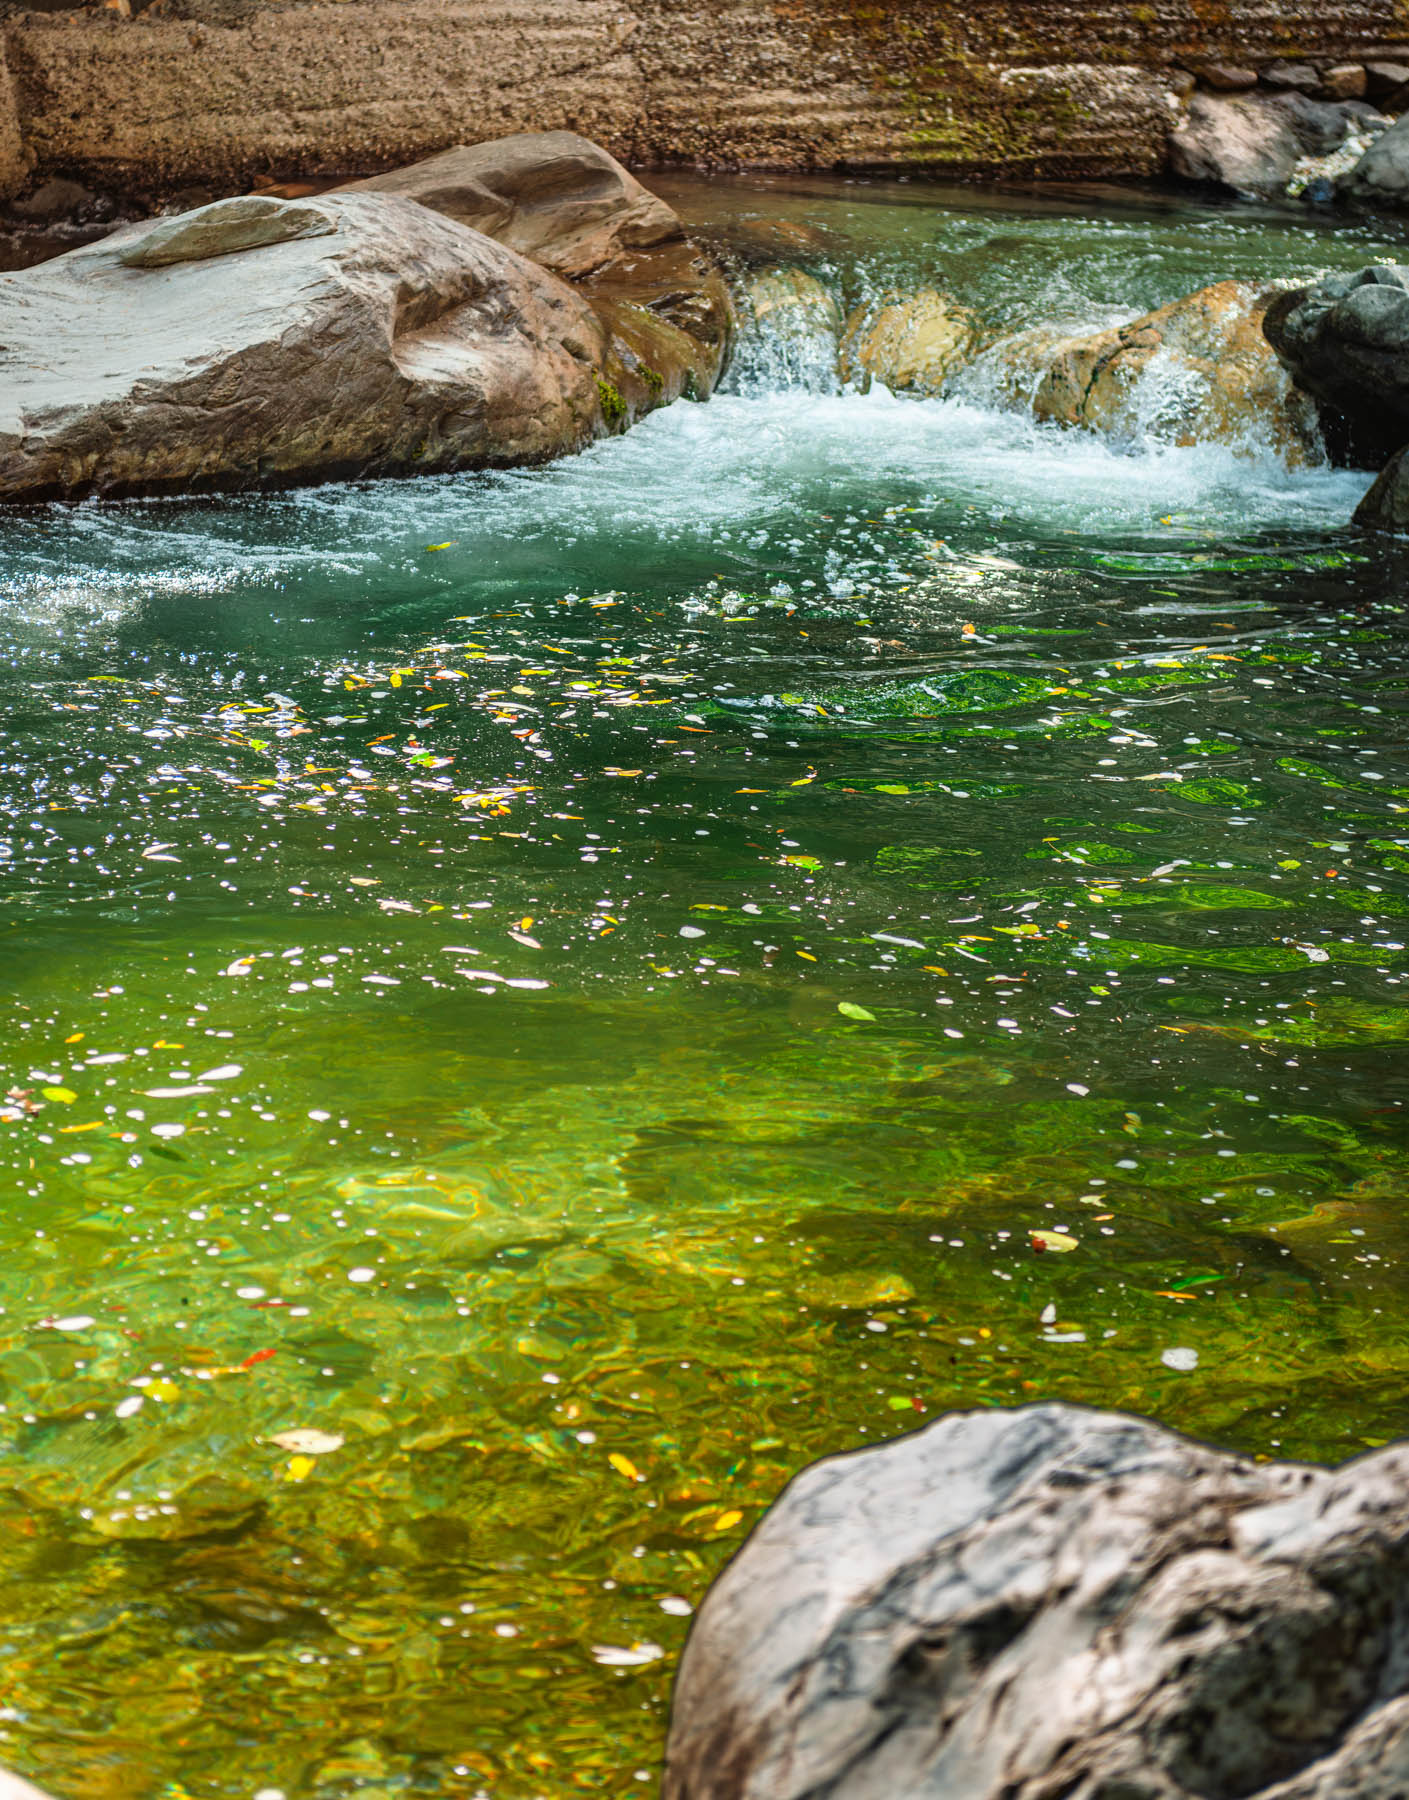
[689,476]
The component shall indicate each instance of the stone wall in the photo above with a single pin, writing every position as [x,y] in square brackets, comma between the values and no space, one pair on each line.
[219,92]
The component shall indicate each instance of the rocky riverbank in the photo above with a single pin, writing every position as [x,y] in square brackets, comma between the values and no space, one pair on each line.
[163,96]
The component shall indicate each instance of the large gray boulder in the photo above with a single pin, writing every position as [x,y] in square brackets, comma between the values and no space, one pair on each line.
[262,341]
[1345,341]
[1381,177]
[1056,1604]
[1252,143]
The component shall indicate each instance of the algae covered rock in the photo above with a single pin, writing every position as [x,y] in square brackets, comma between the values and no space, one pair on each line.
[910,343]
[1197,370]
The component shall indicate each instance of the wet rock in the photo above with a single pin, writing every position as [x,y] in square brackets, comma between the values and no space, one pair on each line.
[1199,369]
[1056,1602]
[1251,143]
[552,196]
[1381,176]
[369,331]
[796,327]
[1345,341]
[1299,78]
[560,199]
[1386,506]
[1347,81]
[912,343]
[1227,77]
[1318,179]
[209,1505]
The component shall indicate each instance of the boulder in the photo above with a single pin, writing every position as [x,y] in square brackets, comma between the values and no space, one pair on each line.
[372,330]
[12,1787]
[1381,176]
[1385,80]
[374,338]
[1345,341]
[1386,506]
[1227,77]
[1346,81]
[1199,369]
[1251,143]
[1054,1603]
[1298,78]
[563,201]
[911,343]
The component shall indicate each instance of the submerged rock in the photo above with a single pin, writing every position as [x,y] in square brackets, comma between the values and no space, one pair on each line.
[912,343]
[1345,340]
[1197,370]
[796,325]
[1056,1602]
[259,341]
[1252,143]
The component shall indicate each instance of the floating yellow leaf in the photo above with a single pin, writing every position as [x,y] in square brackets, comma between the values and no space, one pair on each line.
[1052,1240]
[300,1468]
[850,1010]
[726,1521]
[624,1466]
[63,1096]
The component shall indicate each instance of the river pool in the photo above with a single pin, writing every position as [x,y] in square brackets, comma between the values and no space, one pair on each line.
[538,1003]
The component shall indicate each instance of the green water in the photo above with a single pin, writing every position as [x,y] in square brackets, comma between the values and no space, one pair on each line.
[578,988]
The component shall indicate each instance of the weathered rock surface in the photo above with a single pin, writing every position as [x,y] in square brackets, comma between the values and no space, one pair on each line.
[552,195]
[567,204]
[911,343]
[374,329]
[1057,1603]
[1346,342]
[1199,369]
[13,1788]
[394,341]
[221,91]
[1381,177]
[1252,143]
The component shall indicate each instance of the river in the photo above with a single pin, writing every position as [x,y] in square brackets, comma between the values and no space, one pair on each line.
[538,1003]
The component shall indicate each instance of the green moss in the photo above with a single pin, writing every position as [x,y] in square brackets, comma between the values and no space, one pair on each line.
[613,406]
[653,379]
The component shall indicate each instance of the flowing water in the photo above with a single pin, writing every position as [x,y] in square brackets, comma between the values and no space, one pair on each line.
[576,992]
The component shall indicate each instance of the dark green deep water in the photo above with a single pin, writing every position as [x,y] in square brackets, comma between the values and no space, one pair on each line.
[578,987]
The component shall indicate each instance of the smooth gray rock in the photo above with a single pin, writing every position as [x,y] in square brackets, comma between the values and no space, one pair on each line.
[1251,143]
[1056,1604]
[247,222]
[1345,341]
[1381,177]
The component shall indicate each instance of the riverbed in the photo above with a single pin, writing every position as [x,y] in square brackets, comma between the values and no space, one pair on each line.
[536,1004]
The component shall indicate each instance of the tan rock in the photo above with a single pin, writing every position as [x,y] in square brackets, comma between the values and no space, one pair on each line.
[792,300]
[396,342]
[1347,81]
[566,203]
[913,344]
[1195,371]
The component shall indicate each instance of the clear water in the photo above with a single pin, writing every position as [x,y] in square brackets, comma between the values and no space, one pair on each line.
[579,987]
